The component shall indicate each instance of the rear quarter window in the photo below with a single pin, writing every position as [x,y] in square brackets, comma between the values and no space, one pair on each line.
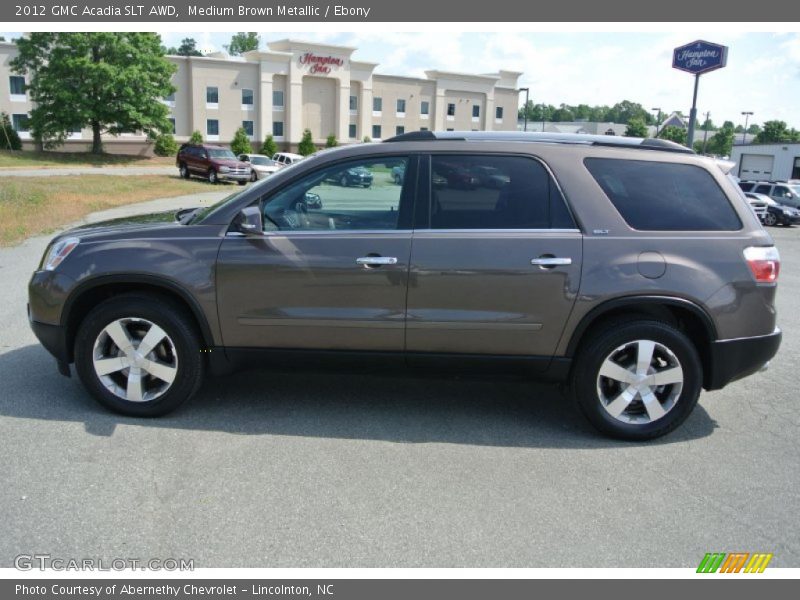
[658,196]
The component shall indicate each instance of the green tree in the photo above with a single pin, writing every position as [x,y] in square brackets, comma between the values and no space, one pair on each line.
[721,143]
[9,138]
[562,114]
[269,147]
[773,131]
[188,47]
[243,42]
[241,143]
[109,82]
[165,145]
[707,125]
[754,129]
[636,128]
[331,142]
[306,145]
[674,134]
[196,137]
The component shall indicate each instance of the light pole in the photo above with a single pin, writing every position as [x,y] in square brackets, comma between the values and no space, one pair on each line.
[657,110]
[525,110]
[705,131]
[747,114]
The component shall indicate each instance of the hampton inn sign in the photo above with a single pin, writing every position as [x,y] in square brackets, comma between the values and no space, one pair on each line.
[320,65]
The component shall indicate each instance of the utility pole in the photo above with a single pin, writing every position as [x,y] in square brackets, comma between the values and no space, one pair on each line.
[747,114]
[657,110]
[525,110]
[705,131]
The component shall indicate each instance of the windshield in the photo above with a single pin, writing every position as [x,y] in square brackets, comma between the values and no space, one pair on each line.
[221,153]
[795,189]
[261,161]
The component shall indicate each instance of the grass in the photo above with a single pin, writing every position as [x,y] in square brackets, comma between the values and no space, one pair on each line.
[36,205]
[10,159]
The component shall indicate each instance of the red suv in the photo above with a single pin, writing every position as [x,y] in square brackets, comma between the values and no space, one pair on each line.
[212,162]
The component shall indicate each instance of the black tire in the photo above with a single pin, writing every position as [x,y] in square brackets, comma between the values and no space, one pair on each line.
[770,220]
[242,182]
[184,171]
[344,181]
[177,325]
[253,176]
[213,177]
[584,379]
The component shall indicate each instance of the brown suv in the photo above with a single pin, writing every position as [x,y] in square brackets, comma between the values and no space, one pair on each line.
[633,269]
[215,163]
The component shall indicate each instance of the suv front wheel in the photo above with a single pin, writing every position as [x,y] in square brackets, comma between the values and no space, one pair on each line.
[637,380]
[139,355]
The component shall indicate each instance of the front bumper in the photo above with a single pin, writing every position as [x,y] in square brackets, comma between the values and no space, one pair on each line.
[734,359]
[234,176]
[54,340]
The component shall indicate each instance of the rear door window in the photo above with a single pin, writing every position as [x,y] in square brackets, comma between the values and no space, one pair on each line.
[659,196]
[494,192]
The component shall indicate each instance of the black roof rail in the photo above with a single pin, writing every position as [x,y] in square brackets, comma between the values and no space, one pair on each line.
[551,138]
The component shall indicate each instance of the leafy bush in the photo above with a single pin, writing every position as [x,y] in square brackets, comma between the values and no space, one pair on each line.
[367,139]
[9,139]
[306,146]
[165,145]
[331,142]
[241,143]
[269,147]
[196,137]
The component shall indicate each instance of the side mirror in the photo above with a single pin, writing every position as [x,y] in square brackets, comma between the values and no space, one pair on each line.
[250,221]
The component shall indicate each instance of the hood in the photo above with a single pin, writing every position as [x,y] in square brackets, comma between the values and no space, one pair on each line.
[123,227]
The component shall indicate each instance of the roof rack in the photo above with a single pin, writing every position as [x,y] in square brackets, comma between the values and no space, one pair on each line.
[546,138]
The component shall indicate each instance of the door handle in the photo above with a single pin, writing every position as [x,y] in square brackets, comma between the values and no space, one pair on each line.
[376,261]
[551,261]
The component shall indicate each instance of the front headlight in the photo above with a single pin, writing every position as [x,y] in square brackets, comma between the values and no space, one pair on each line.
[224,169]
[58,252]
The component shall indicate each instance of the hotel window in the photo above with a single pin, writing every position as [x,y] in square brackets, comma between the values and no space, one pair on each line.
[399,130]
[353,104]
[377,106]
[476,111]
[423,129]
[20,122]
[401,107]
[74,132]
[277,100]
[351,131]
[172,120]
[449,129]
[424,109]
[277,128]
[212,126]
[16,85]
[376,132]
[248,127]
[451,111]
[212,97]
[498,113]
[247,99]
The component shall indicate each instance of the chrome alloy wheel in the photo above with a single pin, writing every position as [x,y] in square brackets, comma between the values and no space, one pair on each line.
[640,382]
[135,359]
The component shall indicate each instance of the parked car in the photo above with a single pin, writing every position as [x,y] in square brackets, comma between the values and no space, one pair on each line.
[215,163]
[759,204]
[262,166]
[354,176]
[399,173]
[773,212]
[782,192]
[456,175]
[631,269]
[490,177]
[284,159]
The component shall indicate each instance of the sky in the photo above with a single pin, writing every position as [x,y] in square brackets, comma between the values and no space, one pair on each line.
[762,76]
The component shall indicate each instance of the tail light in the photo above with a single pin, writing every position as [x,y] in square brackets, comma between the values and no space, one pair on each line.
[764,262]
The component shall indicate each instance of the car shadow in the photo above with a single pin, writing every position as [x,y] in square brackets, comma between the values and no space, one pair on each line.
[391,407]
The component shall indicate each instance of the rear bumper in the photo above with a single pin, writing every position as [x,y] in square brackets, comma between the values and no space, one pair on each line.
[734,359]
[234,176]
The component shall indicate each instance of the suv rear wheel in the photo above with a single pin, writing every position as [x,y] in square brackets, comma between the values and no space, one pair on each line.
[637,380]
[138,355]
[184,171]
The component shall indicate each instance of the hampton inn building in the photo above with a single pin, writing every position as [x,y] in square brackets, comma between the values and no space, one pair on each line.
[295,85]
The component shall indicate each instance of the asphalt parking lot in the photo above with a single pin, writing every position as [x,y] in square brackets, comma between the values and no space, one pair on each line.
[290,469]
